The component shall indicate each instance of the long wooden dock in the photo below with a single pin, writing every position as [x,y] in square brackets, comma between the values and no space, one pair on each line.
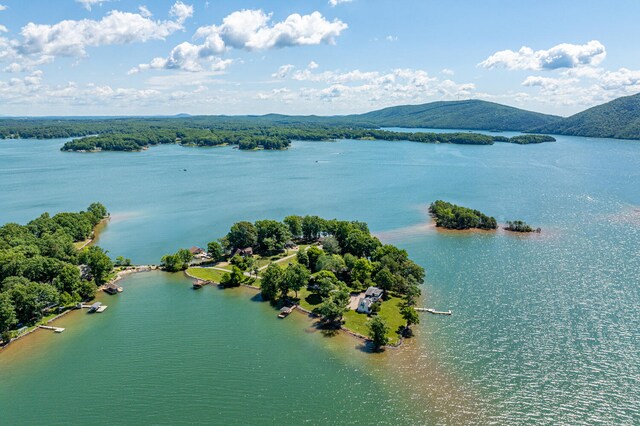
[48,327]
[434,312]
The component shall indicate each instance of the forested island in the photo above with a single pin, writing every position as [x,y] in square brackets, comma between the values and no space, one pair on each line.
[321,266]
[40,267]
[276,137]
[452,216]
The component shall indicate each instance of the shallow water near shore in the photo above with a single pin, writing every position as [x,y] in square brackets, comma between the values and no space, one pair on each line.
[544,326]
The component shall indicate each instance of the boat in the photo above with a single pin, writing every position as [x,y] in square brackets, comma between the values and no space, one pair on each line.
[199,284]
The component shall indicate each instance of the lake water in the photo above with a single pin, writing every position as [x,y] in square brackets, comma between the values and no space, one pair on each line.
[545,327]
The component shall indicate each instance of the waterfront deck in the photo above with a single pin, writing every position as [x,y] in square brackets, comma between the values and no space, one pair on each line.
[434,312]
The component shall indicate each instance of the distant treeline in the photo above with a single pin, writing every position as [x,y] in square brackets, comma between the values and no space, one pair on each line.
[246,132]
[452,216]
[525,139]
[39,266]
[274,137]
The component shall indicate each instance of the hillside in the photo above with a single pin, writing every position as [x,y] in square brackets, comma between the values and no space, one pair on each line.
[469,114]
[619,119]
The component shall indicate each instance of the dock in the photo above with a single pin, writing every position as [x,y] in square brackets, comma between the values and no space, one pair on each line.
[48,327]
[434,312]
[284,312]
[200,283]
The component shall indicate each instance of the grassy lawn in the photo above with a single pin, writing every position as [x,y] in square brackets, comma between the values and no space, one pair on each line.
[206,274]
[284,263]
[389,311]
[307,300]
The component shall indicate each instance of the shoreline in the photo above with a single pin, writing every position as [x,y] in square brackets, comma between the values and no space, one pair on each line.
[310,314]
[120,275]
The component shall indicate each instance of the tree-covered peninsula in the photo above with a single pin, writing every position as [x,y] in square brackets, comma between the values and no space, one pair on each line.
[323,266]
[452,216]
[40,267]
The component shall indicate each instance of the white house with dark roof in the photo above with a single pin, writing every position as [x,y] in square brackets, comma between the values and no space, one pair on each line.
[371,296]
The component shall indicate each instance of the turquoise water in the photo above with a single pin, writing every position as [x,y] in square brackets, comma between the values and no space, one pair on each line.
[545,327]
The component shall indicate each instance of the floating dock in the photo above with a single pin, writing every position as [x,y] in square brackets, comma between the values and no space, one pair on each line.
[434,312]
[48,327]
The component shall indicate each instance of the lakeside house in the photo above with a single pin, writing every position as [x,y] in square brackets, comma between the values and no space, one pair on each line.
[198,252]
[371,296]
[245,252]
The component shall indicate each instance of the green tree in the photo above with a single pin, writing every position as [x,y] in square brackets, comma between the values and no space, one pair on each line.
[333,263]
[87,290]
[378,330]
[271,235]
[233,279]
[324,282]
[330,245]
[271,282]
[214,249]
[99,263]
[385,279]
[410,315]
[242,235]
[311,227]
[303,257]
[361,270]
[333,308]
[313,253]
[121,261]
[29,300]
[296,276]
[295,225]
[98,212]
[68,280]
[7,313]
[360,243]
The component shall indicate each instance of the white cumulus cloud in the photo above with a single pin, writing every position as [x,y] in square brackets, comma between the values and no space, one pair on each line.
[334,3]
[73,37]
[88,4]
[563,55]
[247,30]
[283,71]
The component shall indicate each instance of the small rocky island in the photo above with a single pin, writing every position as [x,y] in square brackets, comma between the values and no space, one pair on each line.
[520,226]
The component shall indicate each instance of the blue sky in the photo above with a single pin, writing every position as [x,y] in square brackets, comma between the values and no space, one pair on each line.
[123,57]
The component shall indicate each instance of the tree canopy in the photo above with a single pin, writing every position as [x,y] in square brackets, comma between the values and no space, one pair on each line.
[39,265]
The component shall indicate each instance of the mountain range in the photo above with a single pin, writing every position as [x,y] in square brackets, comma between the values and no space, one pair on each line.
[619,118]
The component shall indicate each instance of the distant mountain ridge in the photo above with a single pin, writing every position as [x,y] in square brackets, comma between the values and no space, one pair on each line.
[469,115]
[619,119]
